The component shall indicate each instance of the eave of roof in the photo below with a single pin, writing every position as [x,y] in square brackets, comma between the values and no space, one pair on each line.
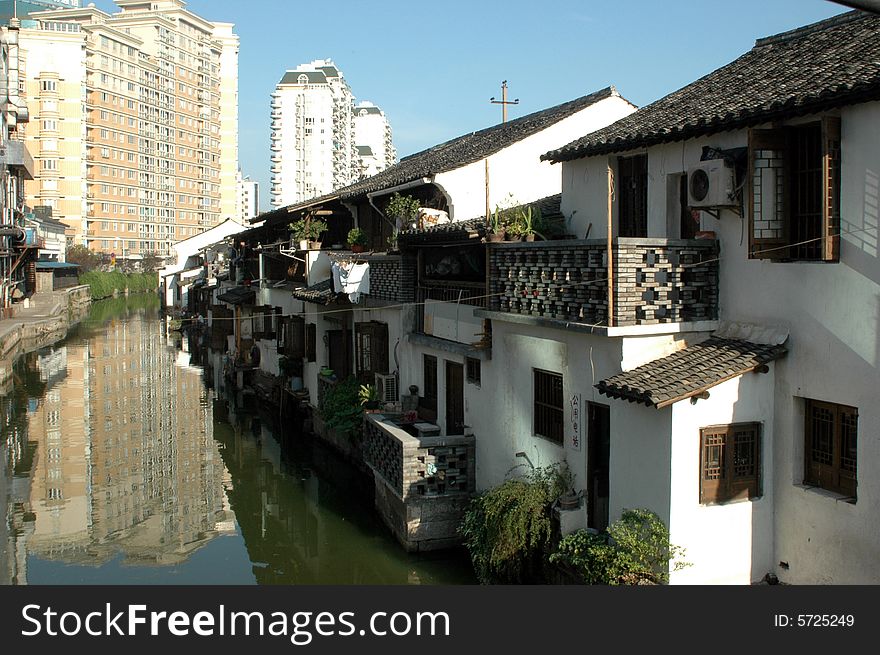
[690,371]
[832,63]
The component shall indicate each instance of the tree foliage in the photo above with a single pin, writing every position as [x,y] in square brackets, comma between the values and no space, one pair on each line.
[508,529]
[85,258]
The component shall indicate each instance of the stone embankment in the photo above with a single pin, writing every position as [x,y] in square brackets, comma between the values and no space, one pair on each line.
[44,321]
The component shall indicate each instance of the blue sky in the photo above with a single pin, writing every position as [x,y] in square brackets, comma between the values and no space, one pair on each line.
[433,66]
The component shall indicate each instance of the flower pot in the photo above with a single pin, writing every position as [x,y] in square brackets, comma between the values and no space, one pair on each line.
[304,244]
[356,247]
[495,237]
[529,237]
[569,500]
[314,245]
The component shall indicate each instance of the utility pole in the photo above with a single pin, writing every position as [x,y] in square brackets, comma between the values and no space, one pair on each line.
[504,101]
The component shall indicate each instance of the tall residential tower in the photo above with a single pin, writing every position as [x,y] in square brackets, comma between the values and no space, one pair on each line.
[145,134]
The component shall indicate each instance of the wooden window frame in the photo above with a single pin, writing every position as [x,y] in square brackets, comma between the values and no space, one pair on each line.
[371,349]
[548,418]
[781,139]
[729,485]
[840,475]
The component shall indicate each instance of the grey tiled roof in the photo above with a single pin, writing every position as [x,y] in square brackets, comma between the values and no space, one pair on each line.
[321,293]
[828,64]
[314,77]
[689,372]
[472,147]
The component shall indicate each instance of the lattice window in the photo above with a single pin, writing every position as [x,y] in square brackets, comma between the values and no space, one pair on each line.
[831,445]
[795,191]
[549,412]
[730,462]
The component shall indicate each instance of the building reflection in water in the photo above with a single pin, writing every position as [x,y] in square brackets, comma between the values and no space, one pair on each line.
[131,469]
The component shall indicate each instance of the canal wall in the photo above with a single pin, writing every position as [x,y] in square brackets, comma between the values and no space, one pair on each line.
[45,321]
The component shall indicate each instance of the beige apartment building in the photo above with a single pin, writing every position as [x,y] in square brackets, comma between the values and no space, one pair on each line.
[135,137]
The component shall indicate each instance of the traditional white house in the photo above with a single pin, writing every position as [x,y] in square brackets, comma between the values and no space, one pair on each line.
[714,355]
[189,265]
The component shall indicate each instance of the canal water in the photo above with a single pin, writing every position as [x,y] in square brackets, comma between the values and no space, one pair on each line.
[122,466]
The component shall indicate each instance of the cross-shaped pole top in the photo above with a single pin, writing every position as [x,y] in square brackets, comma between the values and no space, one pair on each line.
[504,101]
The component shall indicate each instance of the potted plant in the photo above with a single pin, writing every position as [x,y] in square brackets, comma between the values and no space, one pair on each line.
[369,396]
[306,231]
[497,227]
[357,239]
[404,209]
[392,243]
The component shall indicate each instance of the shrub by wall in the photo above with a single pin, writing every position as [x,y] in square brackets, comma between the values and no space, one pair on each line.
[106,284]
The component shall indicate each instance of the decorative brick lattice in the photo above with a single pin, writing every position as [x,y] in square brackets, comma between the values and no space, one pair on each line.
[557,280]
[655,280]
[660,281]
[768,194]
[385,454]
[420,467]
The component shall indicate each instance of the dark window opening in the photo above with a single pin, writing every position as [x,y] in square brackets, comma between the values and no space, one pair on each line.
[549,412]
[428,402]
[474,373]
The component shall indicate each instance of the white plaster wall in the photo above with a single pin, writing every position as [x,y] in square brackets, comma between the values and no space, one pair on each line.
[833,314]
[501,410]
[730,543]
[452,321]
[641,458]
[518,169]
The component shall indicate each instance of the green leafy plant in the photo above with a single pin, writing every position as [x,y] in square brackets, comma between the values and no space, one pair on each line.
[548,228]
[307,229]
[341,409]
[368,394]
[405,208]
[633,550]
[105,285]
[508,529]
[392,242]
[357,237]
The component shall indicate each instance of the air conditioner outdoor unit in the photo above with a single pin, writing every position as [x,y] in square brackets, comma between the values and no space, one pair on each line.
[386,386]
[712,183]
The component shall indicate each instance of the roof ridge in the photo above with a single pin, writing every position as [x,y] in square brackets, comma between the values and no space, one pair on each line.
[805,30]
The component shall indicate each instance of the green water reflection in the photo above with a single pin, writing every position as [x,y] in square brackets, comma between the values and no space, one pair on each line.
[121,467]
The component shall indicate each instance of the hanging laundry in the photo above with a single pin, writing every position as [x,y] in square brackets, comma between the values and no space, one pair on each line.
[353,279]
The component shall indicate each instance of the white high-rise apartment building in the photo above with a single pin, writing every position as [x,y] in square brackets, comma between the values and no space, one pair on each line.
[248,198]
[136,137]
[312,140]
[372,136]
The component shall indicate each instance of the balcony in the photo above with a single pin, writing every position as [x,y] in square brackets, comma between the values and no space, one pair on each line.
[655,282]
[423,481]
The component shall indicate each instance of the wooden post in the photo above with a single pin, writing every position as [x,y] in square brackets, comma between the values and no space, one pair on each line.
[610,250]
[488,221]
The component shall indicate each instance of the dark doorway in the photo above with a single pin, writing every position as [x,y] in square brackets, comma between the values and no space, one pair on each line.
[454,398]
[428,401]
[598,465]
[632,182]
[340,353]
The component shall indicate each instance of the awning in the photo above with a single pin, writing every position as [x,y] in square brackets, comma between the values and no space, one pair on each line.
[238,296]
[690,371]
[321,293]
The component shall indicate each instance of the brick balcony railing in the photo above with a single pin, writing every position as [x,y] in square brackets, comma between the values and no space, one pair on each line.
[655,280]
[419,466]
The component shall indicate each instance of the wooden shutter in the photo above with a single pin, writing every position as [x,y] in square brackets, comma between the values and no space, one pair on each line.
[296,337]
[730,462]
[311,345]
[831,188]
[768,201]
[380,347]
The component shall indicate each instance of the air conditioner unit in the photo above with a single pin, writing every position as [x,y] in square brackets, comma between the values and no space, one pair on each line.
[712,183]
[386,386]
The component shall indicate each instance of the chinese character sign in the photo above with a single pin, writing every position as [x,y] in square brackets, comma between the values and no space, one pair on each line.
[574,427]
